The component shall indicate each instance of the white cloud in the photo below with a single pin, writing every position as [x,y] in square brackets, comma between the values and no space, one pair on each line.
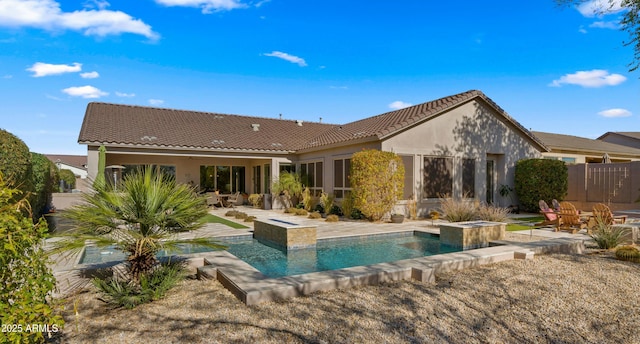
[89,75]
[41,69]
[47,15]
[582,29]
[125,95]
[599,7]
[208,6]
[613,25]
[291,58]
[592,78]
[615,113]
[398,104]
[85,92]
[156,101]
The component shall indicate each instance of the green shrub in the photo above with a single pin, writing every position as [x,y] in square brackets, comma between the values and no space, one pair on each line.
[377,181]
[301,212]
[69,179]
[25,278]
[607,236]
[458,210]
[152,286]
[15,161]
[290,210]
[540,179]
[44,181]
[250,219]
[629,253]
[231,213]
[335,210]
[347,205]
[256,200]
[241,215]
[332,218]
[356,214]
[326,201]
[315,215]
[287,186]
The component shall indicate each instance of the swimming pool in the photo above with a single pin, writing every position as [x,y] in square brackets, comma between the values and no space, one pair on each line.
[329,254]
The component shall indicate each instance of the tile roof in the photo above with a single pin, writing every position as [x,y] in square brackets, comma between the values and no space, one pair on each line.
[629,134]
[380,126]
[150,127]
[583,144]
[140,126]
[79,161]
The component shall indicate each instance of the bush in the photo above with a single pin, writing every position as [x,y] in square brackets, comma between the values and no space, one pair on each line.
[25,278]
[629,253]
[492,213]
[15,161]
[356,214]
[288,186]
[606,236]
[332,218]
[256,200]
[152,286]
[377,181]
[335,210]
[315,215]
[44,181]
[301,212]
[457,210]
[290,210]
[69,179]
[231,213]
[540,179]
[319,208]
[250,219]
[241,215]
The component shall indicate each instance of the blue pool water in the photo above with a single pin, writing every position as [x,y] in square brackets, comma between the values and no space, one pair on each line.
[328,254]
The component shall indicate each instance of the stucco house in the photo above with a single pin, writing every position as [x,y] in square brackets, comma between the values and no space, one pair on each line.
[578,150]
[462,145]
[624,138]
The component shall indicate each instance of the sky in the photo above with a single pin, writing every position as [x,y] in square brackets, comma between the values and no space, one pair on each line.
[554,69]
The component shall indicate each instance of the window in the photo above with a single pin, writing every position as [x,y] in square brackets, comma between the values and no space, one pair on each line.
[468,178]
[568,160]
[225,179]
[166,169]
[267,178]
[341,173]
[256,179]
[287,167]
[407,161]
[311,175]
[437,178]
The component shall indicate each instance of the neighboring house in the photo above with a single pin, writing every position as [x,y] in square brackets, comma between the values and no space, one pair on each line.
[459,145]
[576,150]
[625,138]
[76,163]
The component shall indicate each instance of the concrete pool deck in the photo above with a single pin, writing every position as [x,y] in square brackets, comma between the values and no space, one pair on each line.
[252,287]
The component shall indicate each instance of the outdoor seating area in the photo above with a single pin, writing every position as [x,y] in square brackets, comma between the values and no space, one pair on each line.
[223,200]
[565,217]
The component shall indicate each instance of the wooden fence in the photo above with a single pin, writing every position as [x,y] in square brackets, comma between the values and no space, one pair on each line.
[615,184]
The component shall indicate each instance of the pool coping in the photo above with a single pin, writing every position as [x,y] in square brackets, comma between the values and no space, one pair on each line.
[252,287]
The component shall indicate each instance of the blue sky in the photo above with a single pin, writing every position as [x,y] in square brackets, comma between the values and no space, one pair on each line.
[553,69]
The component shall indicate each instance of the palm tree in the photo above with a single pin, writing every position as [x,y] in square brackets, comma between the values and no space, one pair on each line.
[140,219]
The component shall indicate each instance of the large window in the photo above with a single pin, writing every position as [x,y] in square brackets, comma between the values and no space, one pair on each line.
[407,161]
[341,174]
[225,179]
[311,175]
[468,178]
[438,177]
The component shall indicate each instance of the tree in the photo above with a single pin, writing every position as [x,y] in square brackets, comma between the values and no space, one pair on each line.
[25,277]
[44,180]
[69,179]
[140,219]
[377,182]
[289,186]
[100,181]
[629,23]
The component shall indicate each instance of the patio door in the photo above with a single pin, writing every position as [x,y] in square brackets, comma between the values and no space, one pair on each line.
[257,181]
[491,180]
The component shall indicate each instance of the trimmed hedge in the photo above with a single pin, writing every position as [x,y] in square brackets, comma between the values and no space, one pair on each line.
[44,180]
[540,179]
[15,161]
[69,179]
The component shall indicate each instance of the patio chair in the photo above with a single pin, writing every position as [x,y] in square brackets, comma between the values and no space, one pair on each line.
[603,212]
[213,200]
[569,218]
[234,199]
[550,217]
[555,204]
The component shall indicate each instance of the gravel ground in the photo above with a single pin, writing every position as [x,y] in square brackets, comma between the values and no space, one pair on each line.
[590,298]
